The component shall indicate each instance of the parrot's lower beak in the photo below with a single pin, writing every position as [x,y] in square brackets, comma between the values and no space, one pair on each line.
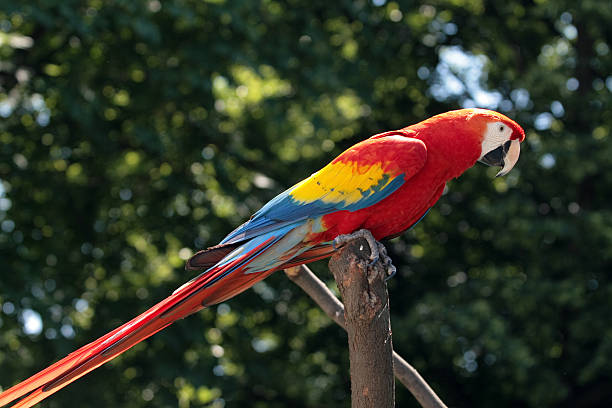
[504,156]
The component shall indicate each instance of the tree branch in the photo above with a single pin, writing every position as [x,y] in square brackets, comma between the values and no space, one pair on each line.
[366,315]
[329,303]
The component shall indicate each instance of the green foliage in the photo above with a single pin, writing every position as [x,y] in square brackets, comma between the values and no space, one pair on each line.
[133,132]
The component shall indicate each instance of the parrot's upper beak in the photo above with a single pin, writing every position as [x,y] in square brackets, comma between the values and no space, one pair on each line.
[504,156]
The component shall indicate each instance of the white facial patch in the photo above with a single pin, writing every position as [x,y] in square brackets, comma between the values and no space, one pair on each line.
[497,134]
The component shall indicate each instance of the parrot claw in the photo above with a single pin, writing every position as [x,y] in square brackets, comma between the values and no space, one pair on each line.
[386,260]
[391,271]
[377,250]
[373,261]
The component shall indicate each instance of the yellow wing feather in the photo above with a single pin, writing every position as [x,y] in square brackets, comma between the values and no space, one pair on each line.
[341,181]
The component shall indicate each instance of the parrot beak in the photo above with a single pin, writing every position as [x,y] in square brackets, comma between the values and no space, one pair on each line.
[504,156]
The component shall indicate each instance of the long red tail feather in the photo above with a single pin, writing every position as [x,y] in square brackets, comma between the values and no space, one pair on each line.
[209,288]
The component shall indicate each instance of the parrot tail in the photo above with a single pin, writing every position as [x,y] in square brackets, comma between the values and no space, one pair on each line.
[235,269]
[209,257]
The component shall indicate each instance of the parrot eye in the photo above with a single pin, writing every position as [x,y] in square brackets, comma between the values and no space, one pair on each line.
[501,128]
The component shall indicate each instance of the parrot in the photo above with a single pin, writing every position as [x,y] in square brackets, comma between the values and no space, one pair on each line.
[376,189]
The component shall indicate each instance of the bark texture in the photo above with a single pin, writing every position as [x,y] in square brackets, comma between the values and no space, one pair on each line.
[366,313]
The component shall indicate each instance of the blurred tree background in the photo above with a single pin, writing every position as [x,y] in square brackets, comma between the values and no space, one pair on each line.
[134,132]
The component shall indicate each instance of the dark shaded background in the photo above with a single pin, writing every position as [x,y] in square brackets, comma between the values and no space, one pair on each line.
[132,132]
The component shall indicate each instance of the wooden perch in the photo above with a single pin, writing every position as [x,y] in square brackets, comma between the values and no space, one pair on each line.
[366,313]
[327,301]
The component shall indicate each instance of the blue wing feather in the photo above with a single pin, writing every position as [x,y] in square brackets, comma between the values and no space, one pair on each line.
[283,210]
[349,183]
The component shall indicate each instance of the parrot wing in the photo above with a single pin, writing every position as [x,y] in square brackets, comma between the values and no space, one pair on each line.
[360,177]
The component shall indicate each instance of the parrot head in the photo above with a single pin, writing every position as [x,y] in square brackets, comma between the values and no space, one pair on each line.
[462,137]
[500,141]
[465,136]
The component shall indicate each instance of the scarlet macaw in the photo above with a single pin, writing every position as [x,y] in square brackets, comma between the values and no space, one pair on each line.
[384,185]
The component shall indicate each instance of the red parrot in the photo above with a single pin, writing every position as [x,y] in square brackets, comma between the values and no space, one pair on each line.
[378,188]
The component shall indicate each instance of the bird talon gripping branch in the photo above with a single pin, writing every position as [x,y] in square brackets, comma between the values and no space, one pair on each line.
[376,189]
[387,261]
[391,271]
[362,233]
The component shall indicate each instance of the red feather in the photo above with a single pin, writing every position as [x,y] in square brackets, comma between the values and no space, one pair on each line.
[188,299]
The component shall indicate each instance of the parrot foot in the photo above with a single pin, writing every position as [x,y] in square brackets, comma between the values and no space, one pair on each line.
[386,260]
[377,250]
[362,233]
